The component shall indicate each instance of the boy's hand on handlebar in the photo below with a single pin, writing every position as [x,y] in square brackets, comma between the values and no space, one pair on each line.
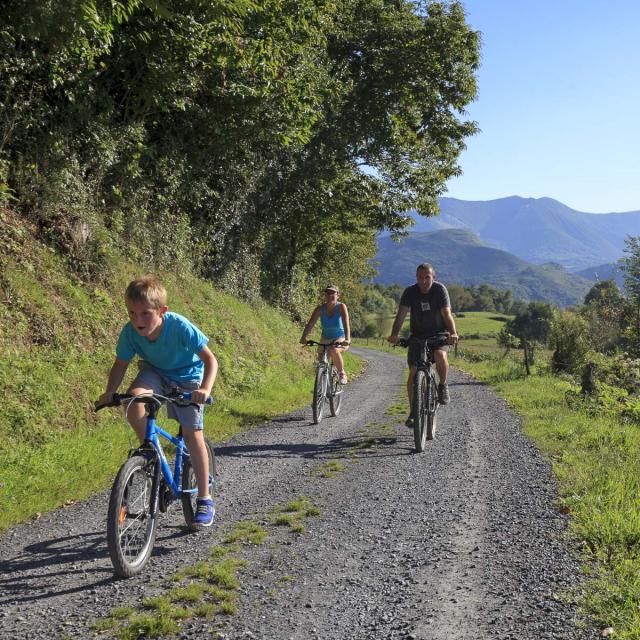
[453,338]
[199,396]
[105,399]
[392,339]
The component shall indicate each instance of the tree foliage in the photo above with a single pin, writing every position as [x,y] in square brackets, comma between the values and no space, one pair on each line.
[262,143]
[532,327]
[630,265]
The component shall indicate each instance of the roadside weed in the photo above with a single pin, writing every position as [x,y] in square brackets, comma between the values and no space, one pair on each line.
[208,588]
[329,469]
[247,532]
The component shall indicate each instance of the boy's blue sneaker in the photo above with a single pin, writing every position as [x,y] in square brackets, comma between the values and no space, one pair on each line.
[205,510]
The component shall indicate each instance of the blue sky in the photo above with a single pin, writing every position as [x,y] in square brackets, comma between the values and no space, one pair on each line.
[558,104]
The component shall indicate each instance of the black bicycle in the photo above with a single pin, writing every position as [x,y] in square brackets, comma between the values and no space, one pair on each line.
[425,389]
[327,385]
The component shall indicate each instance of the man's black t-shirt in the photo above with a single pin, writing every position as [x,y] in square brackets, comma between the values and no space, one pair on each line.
[426,317]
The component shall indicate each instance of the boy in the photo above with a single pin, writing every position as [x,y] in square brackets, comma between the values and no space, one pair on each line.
[174,354]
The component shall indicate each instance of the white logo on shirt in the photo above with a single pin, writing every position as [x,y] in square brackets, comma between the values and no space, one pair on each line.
[425,306]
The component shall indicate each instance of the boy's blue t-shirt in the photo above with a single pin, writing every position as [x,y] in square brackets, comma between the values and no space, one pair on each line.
[174,353]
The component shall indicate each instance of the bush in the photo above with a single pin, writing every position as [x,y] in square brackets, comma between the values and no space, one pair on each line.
[570,342]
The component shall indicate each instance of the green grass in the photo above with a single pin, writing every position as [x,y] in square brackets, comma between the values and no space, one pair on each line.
[248,532]
[468,323]
[479,323]
[293,513]
[329,469]
[208,588]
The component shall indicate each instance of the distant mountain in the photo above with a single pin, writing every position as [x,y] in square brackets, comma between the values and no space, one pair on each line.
[610,271]
[538,230]
[460,257]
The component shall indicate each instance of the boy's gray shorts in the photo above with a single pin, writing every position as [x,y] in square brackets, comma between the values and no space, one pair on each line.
[150,378]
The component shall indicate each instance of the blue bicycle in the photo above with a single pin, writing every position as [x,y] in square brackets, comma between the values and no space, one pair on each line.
[146,485]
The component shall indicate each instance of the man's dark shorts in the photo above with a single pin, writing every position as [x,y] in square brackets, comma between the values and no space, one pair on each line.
[415,351]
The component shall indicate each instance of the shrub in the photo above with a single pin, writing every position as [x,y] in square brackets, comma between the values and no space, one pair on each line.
[570,342]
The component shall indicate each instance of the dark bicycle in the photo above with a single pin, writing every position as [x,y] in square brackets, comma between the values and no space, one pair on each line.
[327,385]
[425,389]
[146,485]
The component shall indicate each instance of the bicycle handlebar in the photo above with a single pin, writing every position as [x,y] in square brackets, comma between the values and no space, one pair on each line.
[435,341]
[313,343]
[181,398]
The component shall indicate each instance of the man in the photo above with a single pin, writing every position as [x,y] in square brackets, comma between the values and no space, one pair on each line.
[430,308]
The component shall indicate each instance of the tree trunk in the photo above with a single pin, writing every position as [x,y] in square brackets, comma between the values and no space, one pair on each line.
[588,379]
[525,347]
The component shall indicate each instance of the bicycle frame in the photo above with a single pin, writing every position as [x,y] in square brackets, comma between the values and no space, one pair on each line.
[172,478]
[326,366]
[425,398]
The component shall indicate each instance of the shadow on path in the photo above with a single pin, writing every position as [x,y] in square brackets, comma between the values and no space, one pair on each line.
[80,559]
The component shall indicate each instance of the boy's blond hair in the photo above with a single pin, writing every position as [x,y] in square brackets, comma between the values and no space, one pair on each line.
[148,290]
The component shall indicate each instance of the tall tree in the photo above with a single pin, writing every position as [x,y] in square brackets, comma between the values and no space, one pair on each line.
[630,265]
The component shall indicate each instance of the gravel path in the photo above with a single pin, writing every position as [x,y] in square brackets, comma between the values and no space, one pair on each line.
[460,542]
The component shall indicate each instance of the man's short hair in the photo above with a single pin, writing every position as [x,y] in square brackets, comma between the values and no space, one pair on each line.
[148,290]
[427,266]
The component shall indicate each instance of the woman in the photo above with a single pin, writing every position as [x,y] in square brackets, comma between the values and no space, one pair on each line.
[334,319]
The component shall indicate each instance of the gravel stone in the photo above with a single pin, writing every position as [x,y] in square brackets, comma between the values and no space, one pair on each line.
[463,541]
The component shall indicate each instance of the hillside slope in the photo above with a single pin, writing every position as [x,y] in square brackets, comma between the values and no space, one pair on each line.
[57,338]
[461,258]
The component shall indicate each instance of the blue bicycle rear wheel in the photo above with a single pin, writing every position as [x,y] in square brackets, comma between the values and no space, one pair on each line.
[190,487]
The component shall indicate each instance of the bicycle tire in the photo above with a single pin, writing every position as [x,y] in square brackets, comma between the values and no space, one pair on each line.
[419,410]
[319,394]
[131,530]
[335,399]
[189,482]
[432,404]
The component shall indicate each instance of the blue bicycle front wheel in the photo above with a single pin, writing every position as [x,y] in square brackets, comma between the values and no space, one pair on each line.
[131,527]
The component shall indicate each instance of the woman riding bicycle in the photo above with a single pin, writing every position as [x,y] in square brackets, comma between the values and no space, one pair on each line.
[334,319]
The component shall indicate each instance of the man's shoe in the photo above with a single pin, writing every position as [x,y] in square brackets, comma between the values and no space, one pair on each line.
[409,422]
[443,393]
[342,377]
[205,510]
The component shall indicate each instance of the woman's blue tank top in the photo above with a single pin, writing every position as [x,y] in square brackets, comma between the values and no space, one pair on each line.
[332,327]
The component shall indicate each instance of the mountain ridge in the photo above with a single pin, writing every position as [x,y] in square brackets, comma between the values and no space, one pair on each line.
[537,230]
[460,257]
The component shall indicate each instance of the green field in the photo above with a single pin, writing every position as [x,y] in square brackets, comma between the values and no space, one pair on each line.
[475,324]
[480,323]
